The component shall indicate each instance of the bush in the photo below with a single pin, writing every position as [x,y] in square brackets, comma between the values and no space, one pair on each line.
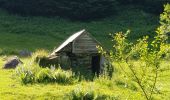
[59,76]
[63,76]
[41,57]
[75,9]
[34,74]
[38,54]
[80,95]
[88,94]
[25,75]
[45,76]
[145,73]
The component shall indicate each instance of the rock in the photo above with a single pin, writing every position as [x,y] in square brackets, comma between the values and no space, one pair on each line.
[25,53]
[12,62]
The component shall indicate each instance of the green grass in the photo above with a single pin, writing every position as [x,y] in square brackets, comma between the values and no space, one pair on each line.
[11,88]
[32,33]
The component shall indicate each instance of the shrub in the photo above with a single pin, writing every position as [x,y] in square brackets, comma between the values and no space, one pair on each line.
[45,76]
[63,76]
[38,54]
[144,74]
[59,76]
[41,57]
[80,93]
[32,73]
[26,75]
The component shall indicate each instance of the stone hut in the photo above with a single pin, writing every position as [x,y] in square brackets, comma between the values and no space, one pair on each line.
[80,51]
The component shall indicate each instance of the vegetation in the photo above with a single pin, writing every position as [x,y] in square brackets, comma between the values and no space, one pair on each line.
[76,9]
[152,6]
[146,74]
[47,33]
[35,74]
[140,69]
[80,93]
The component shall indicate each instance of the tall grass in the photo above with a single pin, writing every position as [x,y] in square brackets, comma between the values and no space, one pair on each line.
[89,93]
[34,74]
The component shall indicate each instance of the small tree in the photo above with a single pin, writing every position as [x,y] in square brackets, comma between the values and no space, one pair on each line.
[149,54]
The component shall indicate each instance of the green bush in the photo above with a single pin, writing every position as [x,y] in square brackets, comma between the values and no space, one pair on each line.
[38,54]
[25,75]
[55,76]
[45,76]
[80,95]
[88,94]
[63,76]
[144,73]
[32,73]
[75,9]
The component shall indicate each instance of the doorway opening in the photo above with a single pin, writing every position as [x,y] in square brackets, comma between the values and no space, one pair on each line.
[95,64]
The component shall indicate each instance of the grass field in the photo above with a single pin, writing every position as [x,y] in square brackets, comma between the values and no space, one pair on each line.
[31,33]
[11,87]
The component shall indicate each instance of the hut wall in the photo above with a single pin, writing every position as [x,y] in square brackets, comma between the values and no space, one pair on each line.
[81,61]
[84,44]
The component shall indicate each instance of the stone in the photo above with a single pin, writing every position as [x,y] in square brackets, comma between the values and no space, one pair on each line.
[12,62]
[25,53]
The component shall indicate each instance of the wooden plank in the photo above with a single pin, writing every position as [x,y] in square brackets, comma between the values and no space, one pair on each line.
[77,42]
[85,50]
[85,45]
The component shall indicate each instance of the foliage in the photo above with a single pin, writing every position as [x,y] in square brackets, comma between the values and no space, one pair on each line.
[39,53]
[147,73]
[44,76]
[48,32]
[25,75]
[41,32]
[32,73]
[152,6]
[8,52]
[75,9]
[79,93]
[41,57]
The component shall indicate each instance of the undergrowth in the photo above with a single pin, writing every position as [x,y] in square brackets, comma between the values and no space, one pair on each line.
[34,74]
[90,93]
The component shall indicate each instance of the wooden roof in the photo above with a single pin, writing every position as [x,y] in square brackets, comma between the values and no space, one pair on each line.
[68,40]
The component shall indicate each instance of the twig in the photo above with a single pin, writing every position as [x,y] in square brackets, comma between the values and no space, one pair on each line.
[154,84]
[139,83]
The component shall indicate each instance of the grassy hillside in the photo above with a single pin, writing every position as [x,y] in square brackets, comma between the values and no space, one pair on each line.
[32,33]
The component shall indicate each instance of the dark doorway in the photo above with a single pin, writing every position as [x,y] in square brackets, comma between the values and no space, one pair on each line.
[96,64]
